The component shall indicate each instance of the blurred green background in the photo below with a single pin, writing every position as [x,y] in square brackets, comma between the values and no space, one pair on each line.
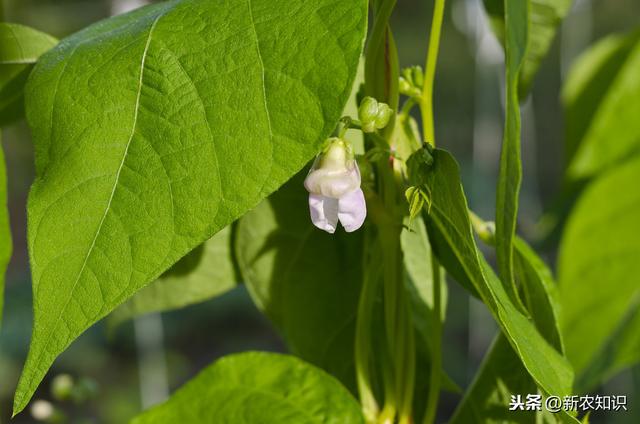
[140,362]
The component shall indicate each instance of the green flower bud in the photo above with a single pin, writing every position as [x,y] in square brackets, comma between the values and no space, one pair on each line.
[405,87]
[384,115]
[418,76]
[374,115]
[368,110]
[407,74]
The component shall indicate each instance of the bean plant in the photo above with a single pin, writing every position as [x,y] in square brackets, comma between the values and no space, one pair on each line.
[192,145]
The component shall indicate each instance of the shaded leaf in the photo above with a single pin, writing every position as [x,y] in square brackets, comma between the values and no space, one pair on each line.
[255,387]
[156,129]
[206,272]
[20,48]
[598,273]
[306,281]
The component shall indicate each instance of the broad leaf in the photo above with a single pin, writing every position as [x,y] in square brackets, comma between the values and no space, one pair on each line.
[156,129]
[449,223]
[20,48]
[206,272]
[545,17]
[601,99]
[510,176]
[598,273]
[6,246]
[258,388]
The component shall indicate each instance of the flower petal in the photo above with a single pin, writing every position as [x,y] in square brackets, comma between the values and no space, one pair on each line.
[324,212]
[332,183]
[352,210]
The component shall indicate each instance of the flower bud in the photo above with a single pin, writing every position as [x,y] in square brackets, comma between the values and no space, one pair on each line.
[373,115]
[384,116]
[405,87]
[368,110]
[418,76]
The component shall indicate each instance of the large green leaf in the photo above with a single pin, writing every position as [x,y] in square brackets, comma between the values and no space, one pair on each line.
[255,387]
[6,246]
[20,48]
[306,281]
[206,272]
[449,223]
[545,17]
[601,99]
[510,176]
[598,273]
[155,129]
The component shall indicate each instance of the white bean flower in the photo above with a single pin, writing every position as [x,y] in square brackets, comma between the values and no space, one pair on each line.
[334,189]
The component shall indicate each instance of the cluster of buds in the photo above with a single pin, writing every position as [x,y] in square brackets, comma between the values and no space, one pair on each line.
[334,189]
[373,115]
[412,81]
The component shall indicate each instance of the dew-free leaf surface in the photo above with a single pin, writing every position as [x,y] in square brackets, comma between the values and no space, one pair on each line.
[306,281]
[598,274]
[20,48]
[545,17]
[258,387]
[449,224]
[206,272]
[601,99]
[516,15]
[156,129]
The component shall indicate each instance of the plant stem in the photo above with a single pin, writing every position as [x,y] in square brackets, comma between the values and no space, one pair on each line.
[426,101]
[371,277]
[436,354]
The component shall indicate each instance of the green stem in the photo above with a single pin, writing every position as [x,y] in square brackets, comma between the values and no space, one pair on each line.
[406,108]
[436,354]
[371,277]
[426,101]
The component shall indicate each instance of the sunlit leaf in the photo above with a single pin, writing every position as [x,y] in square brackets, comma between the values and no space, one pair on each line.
[601,99]
[257,387]
[598,273]
[545,17]
[156,129]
